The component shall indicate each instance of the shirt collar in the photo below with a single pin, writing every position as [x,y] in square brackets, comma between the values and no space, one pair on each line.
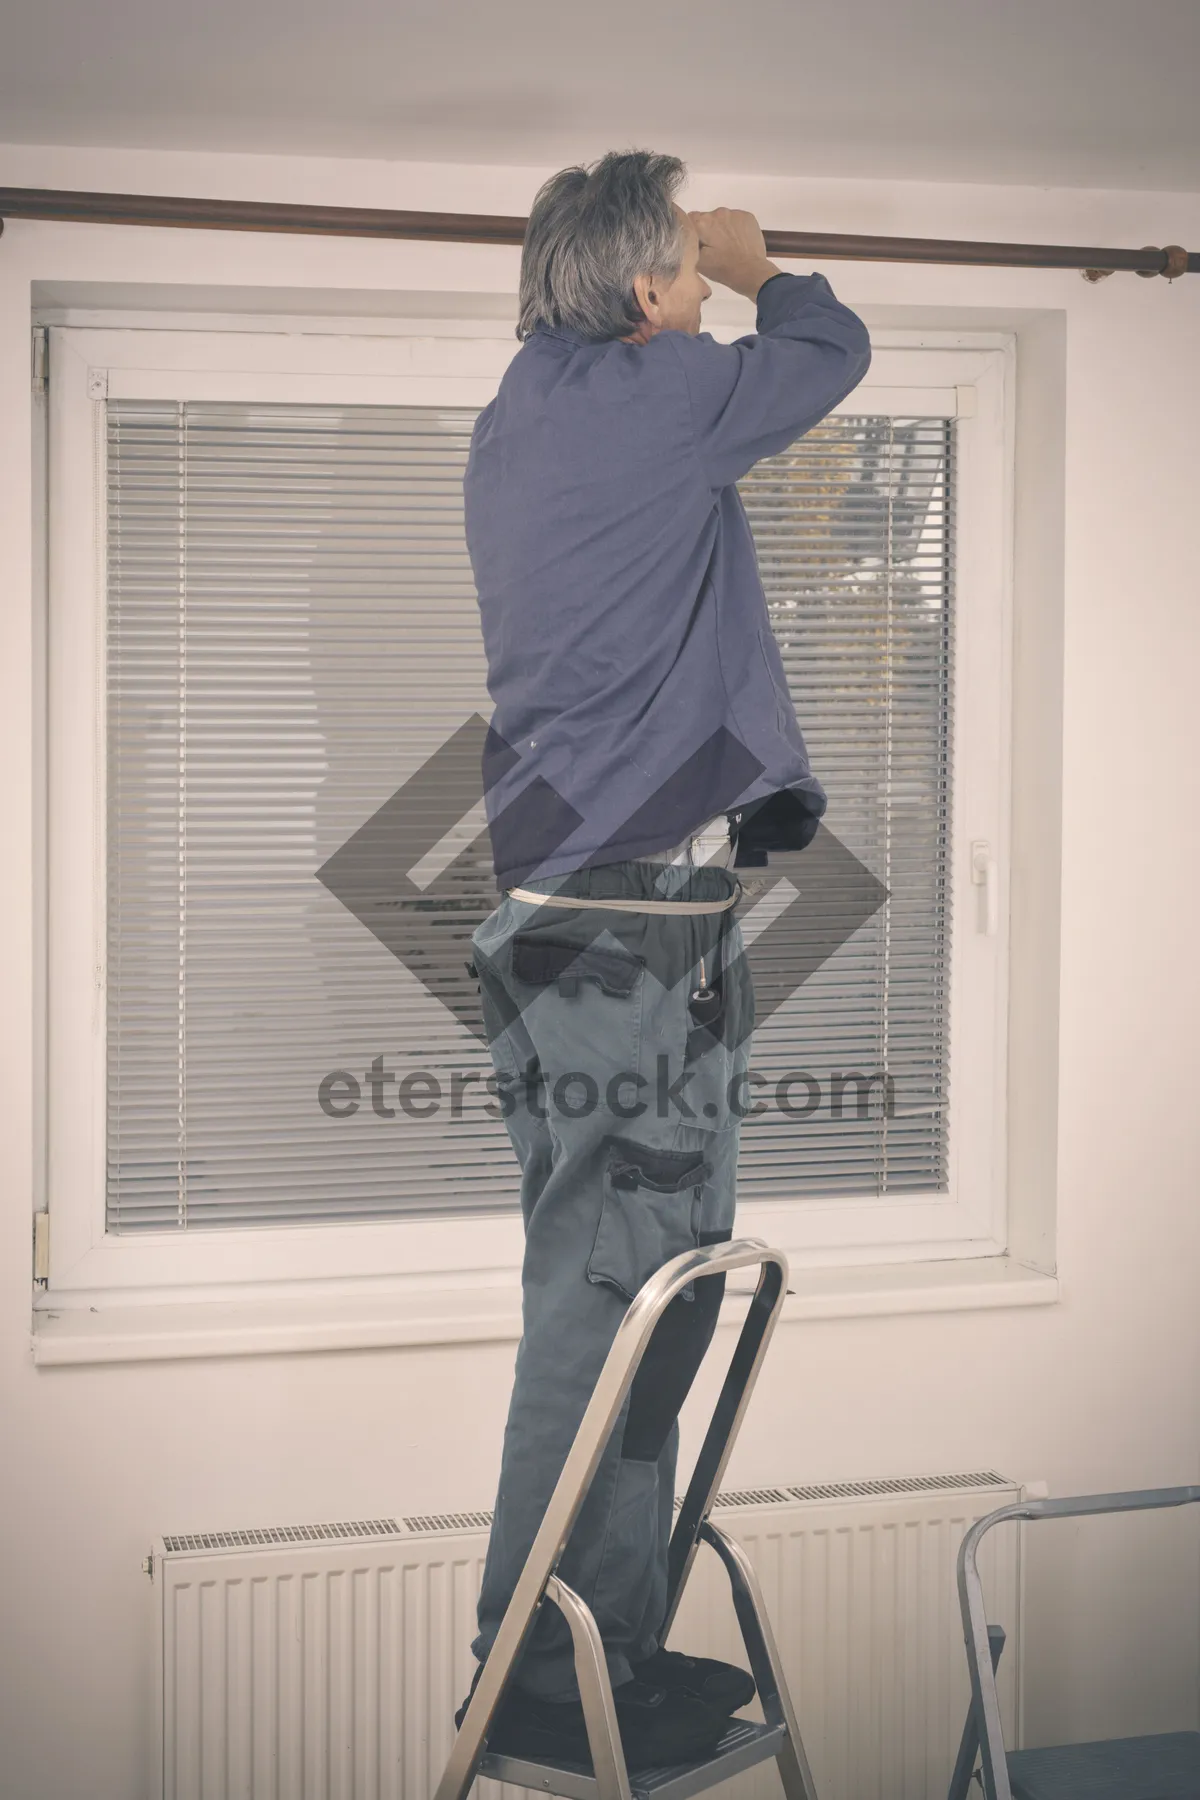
[566,334]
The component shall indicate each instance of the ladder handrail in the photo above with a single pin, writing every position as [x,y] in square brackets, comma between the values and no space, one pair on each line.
[985,1698]
[608,1396]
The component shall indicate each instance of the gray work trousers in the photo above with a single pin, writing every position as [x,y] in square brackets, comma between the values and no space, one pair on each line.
[623,1095]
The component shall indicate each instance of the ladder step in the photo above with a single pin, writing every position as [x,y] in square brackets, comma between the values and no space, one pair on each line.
[743,1745]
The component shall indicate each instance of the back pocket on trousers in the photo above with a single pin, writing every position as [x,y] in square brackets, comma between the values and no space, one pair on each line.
[651,1211]
[581,1006]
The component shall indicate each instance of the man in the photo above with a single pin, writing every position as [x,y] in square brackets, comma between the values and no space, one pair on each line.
[643,745]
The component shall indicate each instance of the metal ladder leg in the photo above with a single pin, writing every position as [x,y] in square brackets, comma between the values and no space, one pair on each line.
[693,1525]
[765,1666]
[595,1691]
[537,1580]
[968,1748]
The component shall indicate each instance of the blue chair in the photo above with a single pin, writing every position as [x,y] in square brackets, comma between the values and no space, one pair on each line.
[1164,1766]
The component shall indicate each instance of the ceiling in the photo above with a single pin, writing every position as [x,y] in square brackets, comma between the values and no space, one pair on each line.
[1096,93]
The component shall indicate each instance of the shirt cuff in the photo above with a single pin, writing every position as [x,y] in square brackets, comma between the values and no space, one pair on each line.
[783,275]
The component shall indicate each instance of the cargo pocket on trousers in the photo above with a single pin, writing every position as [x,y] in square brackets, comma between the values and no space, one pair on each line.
[651,1211]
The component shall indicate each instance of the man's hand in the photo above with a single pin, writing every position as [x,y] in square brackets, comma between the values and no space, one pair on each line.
[733,250]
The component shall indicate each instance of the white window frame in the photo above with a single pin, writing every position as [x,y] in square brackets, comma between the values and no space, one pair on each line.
[966,375]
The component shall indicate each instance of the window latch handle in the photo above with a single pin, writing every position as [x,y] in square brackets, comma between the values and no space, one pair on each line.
[984,875]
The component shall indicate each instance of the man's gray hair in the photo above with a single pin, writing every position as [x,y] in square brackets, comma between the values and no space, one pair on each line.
[590,231]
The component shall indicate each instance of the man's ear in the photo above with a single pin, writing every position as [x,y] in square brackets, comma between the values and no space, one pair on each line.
[647,296]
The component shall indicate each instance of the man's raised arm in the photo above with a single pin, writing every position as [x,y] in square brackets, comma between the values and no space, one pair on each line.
[754,397]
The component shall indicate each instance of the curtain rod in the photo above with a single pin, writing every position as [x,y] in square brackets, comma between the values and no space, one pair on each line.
[494,228]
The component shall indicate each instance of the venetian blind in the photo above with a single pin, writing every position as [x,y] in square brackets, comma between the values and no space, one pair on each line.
[852,529]
[291,634]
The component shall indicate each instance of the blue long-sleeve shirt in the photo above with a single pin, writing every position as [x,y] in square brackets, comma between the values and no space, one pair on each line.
[638,687]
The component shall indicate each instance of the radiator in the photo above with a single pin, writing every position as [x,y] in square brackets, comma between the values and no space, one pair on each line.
[325,1662]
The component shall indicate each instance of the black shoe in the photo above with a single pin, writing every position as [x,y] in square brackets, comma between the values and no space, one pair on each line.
[720,1685]
[657,1727]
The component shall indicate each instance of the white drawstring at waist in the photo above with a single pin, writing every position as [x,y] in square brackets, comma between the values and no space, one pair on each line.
[642,906]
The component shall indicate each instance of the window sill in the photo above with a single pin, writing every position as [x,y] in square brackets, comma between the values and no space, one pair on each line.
[132,1333]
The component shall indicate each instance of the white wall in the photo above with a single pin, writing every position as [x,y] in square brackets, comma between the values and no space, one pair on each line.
[1098,1391]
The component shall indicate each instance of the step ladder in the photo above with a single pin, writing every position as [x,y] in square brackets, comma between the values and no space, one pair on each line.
[745,1743]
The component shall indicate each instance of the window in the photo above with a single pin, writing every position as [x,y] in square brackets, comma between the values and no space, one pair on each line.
[263,626]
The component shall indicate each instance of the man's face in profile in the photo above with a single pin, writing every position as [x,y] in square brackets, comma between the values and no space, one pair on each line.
[674,305]
[689,290]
